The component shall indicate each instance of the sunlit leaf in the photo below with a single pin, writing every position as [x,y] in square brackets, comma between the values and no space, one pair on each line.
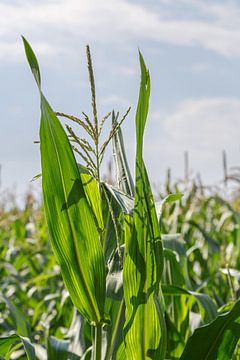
[143,254]
[74,235]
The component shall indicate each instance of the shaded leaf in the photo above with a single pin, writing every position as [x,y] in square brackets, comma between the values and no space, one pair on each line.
[212,242]
[59,349]
[124,178]
[207,306]
[7,344]
[126,202]
[216,340]
[22,326]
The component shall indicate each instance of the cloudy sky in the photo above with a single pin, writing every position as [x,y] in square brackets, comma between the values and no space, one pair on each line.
[191,47]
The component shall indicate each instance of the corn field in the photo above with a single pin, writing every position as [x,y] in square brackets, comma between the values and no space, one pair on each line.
[107,270]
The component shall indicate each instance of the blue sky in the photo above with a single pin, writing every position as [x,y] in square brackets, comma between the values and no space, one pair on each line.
[191,47]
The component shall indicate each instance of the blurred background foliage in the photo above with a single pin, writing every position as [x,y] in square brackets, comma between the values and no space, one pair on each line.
[201,255]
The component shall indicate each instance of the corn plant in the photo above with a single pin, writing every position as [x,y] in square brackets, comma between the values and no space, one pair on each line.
[123,257]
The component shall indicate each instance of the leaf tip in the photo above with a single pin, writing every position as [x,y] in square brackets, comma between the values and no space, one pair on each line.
[32,61]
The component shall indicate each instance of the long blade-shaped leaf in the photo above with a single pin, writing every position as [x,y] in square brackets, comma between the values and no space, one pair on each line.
[124,178]
[207,307]
[22,326]
[59,349]
[144,259]
[91,190]
[74,235]
[126,202]
[7,345]
[216,340]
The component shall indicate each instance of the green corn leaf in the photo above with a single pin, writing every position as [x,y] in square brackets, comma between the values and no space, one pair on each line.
[143,263]
[91,190]
[114,281]
[8,343]
[216,340]
[59,349]
[177,307]
[175,340]
[168,199]
[88,354]
[32,60]
[124,178]
[126,202]
[114,336]
[21,324]
[179,299]
[175,243]
[76,335]
[71,222]
[121,353]
[212,242]
[172,197]
[112,210]
[207,307]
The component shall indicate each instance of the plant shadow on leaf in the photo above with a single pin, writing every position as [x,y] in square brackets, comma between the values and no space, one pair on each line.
[75,194]
[154,245]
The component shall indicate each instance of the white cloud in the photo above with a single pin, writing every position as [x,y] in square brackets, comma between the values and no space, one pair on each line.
[210,26]
[207,124]
[113,100]
[128,71]
[14,51]
[203,127]
[201,67]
